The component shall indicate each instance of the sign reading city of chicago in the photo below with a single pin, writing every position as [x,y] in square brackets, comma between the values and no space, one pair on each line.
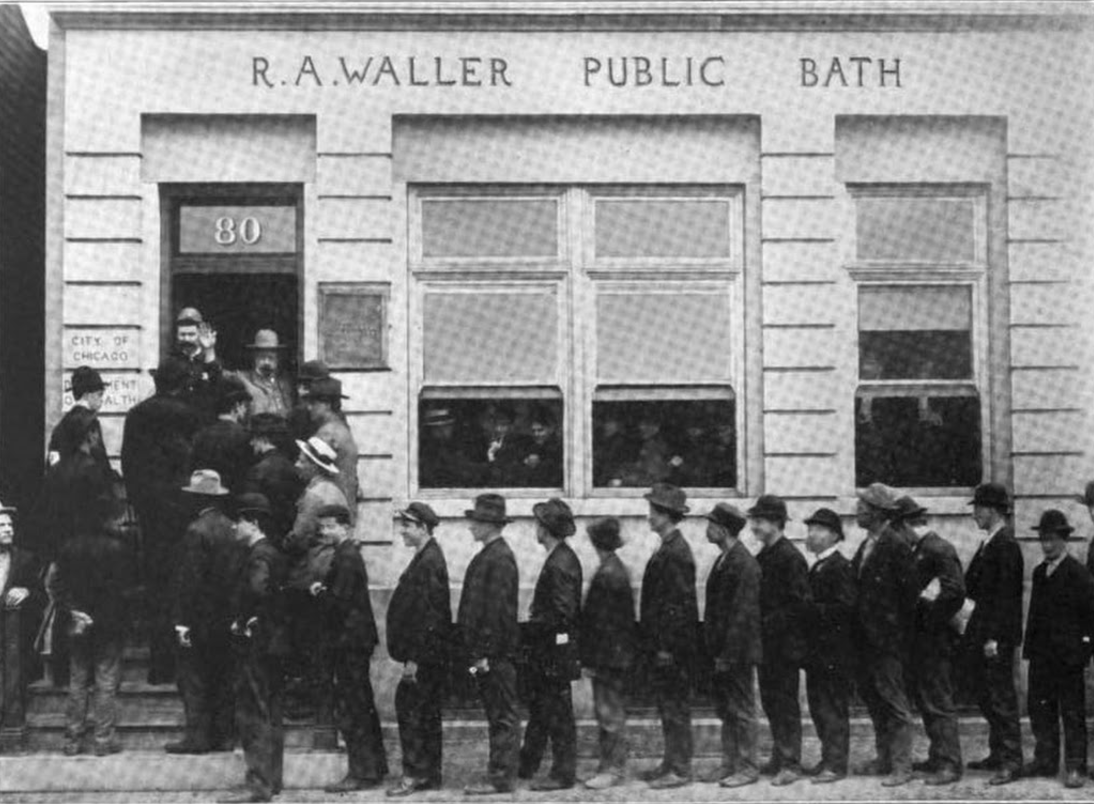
[594,71]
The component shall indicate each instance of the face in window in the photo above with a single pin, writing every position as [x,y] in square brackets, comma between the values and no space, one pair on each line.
[503,423]
[870,368]
[648,428]
[541,433]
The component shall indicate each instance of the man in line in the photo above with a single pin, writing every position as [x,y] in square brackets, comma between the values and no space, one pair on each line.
[224,445]
[487,617]
[941,594]
[785,602]
[830,667]
[259,630]
[884,619]
[608,647]
[994,632]
[669,611]
[552,634]
[270,390]
[732,632]
[1059,639]
[419,619]
[324,402]
[348,638]
[208,569]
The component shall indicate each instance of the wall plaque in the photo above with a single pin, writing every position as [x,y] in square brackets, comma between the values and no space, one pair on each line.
[353,325]
[110,348]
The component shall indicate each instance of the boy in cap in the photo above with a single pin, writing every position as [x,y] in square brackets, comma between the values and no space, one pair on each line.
[419,619]
[348,638]
[608,648]
[830,666]
[552,648]
[994,582]
[733,640]
[1059,640]
[487,617]
[785,601]
[669,611]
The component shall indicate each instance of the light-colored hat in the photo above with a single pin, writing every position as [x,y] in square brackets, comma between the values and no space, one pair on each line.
[878,495]
[320,453]
[207,482]
[265,339]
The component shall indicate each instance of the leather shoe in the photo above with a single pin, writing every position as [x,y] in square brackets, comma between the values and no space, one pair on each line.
[827,776]
[486,789]
[944,775]
[1005,776]
[875,767]
[1075,778]
[1046,771]
[602,781]
[352,783]
[769,768]
[243,797]
[186,747]
[897,778]
[655,772]
[987,763]
[715,775]
[813,770]
[551,783]
[106,749]
[740,780]
[924,766]
[668,781]
[786,776]
[408,785]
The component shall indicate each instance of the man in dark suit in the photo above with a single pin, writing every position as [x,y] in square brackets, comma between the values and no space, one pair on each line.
[261,642]
[941,594]
[552,651]
[224,445]
[347,639]
[884,620]
[208,570]
[273,474]
[156,447]
[732,633]
[1059,640]
[669,614]
[994,632]
[784,607]
[487,618]
[608,640]
[830,666]
[87,394]
[419,619]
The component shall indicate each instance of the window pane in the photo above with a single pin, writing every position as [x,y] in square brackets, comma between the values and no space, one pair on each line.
[662,337]
[480,338]
[489,227]
[917,440]
[911,333]
[490,443]
[689,443]
[916,229]
[685,228]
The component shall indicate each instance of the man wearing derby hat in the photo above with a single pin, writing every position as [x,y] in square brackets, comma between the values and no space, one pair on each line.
[669,612]
[884,619]
[419,621]
[830,666]
[1059,641]
[487,618]
[785,601]
[552,649]
[205,579]
[941,593]
[87,393]
[324,402]
[731,629]
[300,423]
[608,647]
[271,391]
[994,582]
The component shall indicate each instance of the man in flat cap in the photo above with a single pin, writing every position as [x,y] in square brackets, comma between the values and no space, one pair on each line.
[608,642]
[884,619]
[830,666]
[419,621]
[732,633]
[941,593]
[669,611]
[552,650]
[348,637]
[487,619]
[224,445]
[1059,641]
[324,403]
[994,632]
[785,599]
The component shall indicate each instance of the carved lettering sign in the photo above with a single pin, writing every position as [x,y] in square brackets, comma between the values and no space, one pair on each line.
[353,325]
[102,348]
[123,390]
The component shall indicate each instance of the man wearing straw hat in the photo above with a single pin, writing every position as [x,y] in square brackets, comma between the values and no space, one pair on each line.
[270,390]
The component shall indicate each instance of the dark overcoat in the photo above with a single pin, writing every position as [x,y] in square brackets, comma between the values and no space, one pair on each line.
[669,610]
[1060,625]
[258,594]
[487,614]
[994,581]
[832,582]
[348,621]
[224,446]
[732,615]
[934,557]
[419,616]
[556,607]
[208,571]
[156,446]
[785,599]
[275,476]
[885,604]
[608,637]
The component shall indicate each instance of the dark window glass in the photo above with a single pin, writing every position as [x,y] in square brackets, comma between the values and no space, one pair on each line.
[908,439]
[686,442]
[915,332]
[490,443]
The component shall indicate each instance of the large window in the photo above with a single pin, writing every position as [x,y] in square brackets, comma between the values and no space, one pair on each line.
[920,259]
[577,338]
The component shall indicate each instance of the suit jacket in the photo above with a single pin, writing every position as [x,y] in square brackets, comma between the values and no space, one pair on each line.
[994,581]
[785,600]
[669,609]
[487,614]
[268,396]
[608,636]
[226,447]
[419,616]
[60,444]
[1060,625]
[274,475]
[885,605]
[732,627]
[337,434]
[347,609]
[934,557]
[156,444]
[207,574]
[258,594]
[831,621]
[556,606]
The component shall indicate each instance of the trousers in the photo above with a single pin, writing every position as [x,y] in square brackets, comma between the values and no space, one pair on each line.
[611,719]
[881,684]
[997,699]
[418,711]
[259,685]
[828,690]
[779,696]
[355,715]
[735,705]
[498,690]
[932,685]
[1057,694]
[672,690]
[550,717]
[205,680]
[95,664]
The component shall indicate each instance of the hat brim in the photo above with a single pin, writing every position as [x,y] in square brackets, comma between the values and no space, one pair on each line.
[221,492]
[767,513]
[306,450]
[476,516]
[657,503]
[1044,533]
